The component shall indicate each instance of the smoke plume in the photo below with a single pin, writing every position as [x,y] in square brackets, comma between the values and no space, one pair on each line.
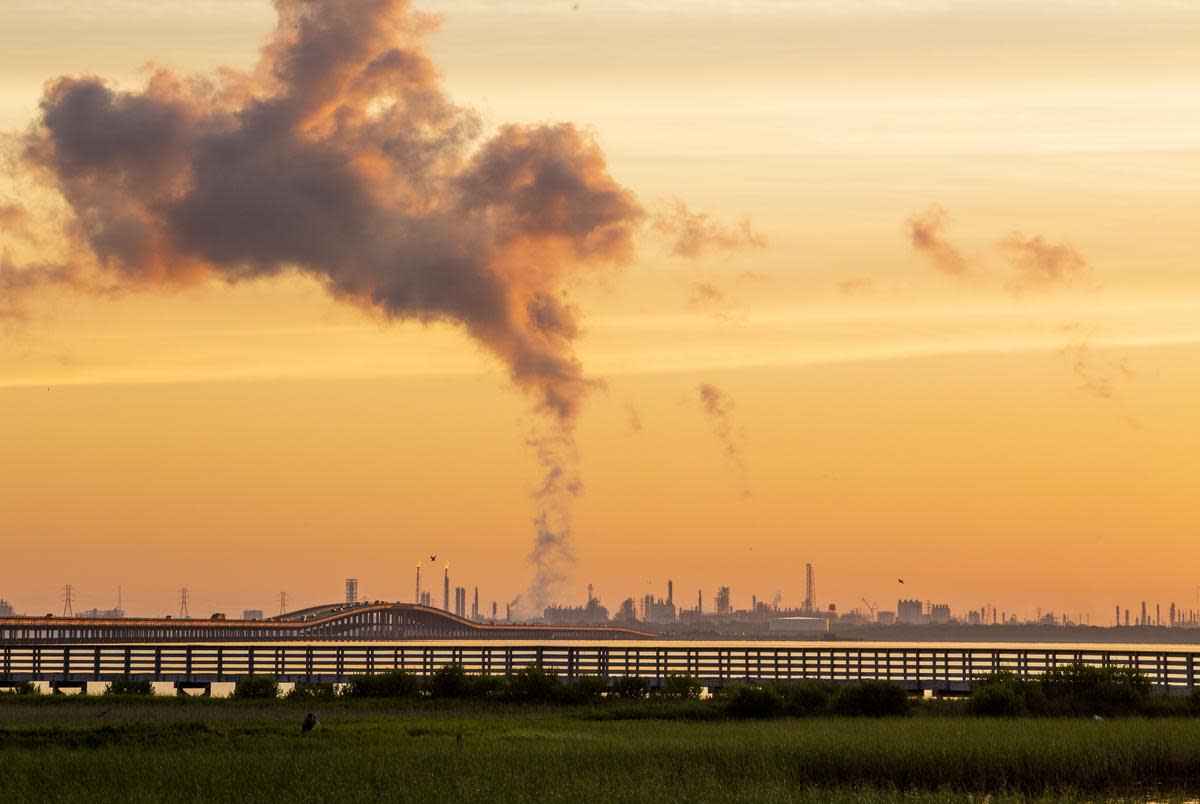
[696,233]
[340,158]
[705,293]
[1039,263]
[1099,375]
[719,407]
[926,233]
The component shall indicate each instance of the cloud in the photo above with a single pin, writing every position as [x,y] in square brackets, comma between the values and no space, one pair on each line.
[1039,263]
[695,234]
[341,158]
[926,234]
[718,405]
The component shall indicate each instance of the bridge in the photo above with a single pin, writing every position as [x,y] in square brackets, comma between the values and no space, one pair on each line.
[377,621]
[917,668]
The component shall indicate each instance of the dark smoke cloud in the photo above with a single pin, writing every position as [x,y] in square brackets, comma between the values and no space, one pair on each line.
[340,158]
[696,233]
[926,233]
[1039,263]
[718,405]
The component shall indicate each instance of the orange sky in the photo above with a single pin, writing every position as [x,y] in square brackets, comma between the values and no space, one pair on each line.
[992,444]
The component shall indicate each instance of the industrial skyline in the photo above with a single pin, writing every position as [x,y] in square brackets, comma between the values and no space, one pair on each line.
[656,608]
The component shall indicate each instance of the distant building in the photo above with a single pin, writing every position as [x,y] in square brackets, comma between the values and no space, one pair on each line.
[939,613]
[101,614]
[252,614]
[658,611]
[626,613]
[351,591]
[885,617]
[798,625]
[591,614]
[722,602]
[910,612]
[6,609]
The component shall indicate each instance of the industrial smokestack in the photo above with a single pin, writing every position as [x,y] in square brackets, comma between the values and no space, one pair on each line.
[446,587]
[670,591]
[810,589]
[417,599]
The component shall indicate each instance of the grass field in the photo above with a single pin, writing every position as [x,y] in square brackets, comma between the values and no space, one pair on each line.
[167,750]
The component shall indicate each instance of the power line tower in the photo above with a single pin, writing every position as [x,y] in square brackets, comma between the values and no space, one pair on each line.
[183,603]
[282,603]
[68,600]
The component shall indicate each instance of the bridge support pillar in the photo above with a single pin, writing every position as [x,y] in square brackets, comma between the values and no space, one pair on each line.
[204,688]
[57,687]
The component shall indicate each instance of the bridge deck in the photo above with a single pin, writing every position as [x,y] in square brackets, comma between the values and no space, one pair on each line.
[915,667]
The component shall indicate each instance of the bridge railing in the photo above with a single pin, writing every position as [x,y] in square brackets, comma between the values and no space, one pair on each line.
[920,667]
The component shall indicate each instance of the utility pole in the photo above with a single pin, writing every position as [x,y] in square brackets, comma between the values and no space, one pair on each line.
[183,603]
[68,599]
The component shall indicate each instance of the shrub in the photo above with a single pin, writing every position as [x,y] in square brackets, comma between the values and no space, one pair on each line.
[489,686]
[257,687]
[997,700]
[679,688]
[1082,690]
[806,698]
[753,702]
[130,686]
[533,684]
[450,681]
[870,699]
[583,689]
[23,688]
[394,684]
[308,690]
[631,687]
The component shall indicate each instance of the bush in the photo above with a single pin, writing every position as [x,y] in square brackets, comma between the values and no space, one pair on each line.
[310,690]
[23,688]
[583,689]
[533,685]
[256,688]
[394,684]
[450,681]
[753,702]
[806,698]
[870,699]
[490,687]
[1082,690]
[130,686]
[679,688]
[997,700]
[631,687]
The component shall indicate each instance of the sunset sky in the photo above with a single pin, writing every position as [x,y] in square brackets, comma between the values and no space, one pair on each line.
[947,291]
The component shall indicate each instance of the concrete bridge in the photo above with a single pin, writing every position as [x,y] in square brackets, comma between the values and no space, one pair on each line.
[942,670]
[377,621]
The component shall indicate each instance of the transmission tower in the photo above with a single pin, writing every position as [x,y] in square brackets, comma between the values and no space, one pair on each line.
[68,599]
[183,601]
[282,603]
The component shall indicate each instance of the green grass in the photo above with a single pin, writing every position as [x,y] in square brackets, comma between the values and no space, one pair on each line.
[157,750]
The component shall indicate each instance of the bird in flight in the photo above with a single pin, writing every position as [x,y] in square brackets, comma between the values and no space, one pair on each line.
[433,557]
[899,580]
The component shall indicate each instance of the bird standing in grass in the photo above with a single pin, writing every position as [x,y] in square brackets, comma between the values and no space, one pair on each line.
[310,723]
[458,740]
